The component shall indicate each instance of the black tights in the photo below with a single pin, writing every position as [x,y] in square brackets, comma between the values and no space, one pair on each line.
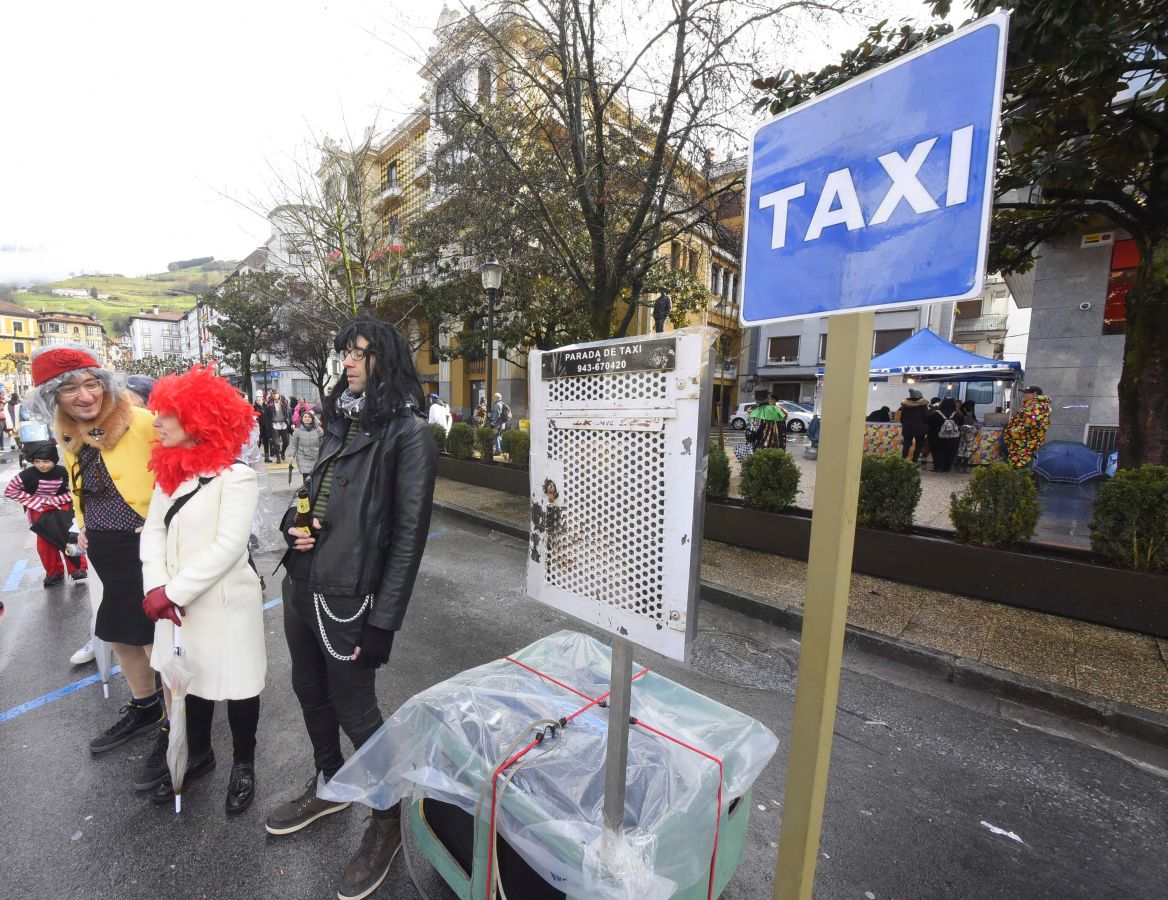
[244,716]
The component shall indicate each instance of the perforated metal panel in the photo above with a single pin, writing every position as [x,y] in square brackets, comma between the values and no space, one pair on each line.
[618,462]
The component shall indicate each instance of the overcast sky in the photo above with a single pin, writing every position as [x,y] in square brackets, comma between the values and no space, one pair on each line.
[135,133]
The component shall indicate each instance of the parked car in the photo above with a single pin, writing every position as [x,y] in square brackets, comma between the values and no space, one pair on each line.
[798,418]
[738,419]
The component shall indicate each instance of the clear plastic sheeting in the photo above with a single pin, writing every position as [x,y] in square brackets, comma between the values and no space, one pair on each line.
[445,742]
[265,524]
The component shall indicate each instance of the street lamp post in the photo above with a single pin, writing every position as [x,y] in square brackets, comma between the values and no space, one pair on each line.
[492,273]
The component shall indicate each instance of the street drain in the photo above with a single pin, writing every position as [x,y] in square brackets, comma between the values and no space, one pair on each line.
[736,660]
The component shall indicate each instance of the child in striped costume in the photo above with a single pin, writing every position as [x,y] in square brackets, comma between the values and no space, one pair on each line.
[41,488]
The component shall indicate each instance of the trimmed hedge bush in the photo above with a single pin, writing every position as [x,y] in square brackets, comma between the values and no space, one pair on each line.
[439,433]
[718,474]
[770,480]
[998,508]
[1130,525]
[517,446]
[460,441]
[484,439]
[890,489]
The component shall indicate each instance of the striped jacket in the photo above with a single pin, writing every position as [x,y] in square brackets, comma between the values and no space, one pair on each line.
[39,491]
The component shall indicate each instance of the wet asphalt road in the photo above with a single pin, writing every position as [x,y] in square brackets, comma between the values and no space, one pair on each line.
[918,765]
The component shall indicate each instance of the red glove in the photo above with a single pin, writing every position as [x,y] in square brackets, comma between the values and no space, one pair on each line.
[157,606]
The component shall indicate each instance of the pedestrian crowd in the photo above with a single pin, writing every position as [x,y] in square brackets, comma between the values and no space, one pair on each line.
[152,487]
[946,431]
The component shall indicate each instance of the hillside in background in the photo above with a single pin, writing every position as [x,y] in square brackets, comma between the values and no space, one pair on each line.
[120,297]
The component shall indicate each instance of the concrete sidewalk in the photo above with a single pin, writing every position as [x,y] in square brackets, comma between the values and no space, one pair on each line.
[1085,666]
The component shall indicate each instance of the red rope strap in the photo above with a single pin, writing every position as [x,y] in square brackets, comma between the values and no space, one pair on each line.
[506,764]
[717,812]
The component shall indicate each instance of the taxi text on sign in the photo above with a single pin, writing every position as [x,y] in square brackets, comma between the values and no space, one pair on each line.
[878,193]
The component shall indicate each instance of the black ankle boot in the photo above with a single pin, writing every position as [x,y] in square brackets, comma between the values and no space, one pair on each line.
[154,769]
[196,768]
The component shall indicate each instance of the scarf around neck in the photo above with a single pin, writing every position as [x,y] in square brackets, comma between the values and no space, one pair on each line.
[350,405]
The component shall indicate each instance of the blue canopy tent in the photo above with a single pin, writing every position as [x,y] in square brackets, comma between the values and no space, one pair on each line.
[926,356]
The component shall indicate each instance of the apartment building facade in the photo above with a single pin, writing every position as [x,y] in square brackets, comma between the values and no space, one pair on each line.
[73,328]
[19,337]
[156,333]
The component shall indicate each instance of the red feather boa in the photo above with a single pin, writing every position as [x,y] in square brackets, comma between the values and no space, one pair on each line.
[174,465]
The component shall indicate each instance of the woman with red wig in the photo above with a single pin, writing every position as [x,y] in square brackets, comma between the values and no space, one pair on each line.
[196,568]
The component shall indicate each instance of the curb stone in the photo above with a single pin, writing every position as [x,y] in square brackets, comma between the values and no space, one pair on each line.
[1116,717]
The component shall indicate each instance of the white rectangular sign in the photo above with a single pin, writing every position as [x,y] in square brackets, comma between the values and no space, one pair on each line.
[618,478]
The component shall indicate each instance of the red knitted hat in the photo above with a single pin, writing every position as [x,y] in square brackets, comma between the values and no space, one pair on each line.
[58,361]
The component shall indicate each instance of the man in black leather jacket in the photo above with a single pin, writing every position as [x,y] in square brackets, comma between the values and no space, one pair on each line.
[350,580]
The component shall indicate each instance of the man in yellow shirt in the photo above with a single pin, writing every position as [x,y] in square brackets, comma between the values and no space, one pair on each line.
[106,442]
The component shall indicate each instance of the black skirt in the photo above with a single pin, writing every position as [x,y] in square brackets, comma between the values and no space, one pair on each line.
[114,555]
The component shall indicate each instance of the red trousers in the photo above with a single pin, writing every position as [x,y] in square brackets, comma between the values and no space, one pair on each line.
[51,556]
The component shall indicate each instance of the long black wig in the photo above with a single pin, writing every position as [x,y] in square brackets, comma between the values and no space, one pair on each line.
[392,386]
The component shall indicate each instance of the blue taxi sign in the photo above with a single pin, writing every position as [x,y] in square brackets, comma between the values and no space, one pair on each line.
[877,194]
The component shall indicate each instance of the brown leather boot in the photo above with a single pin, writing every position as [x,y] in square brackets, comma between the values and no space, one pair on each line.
[370,864]
[301,811]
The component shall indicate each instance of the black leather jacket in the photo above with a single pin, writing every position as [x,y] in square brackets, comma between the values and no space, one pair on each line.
[374,531]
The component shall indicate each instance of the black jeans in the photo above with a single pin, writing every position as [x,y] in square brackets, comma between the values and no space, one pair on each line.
[333,694]
[244,716]
[944,452]
[909,440]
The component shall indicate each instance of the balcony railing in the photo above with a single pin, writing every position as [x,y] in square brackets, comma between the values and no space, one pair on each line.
[475,366]
[392,191]
[980,323]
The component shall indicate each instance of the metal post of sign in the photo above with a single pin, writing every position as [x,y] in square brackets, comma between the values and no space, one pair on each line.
[616,763]
[829,572]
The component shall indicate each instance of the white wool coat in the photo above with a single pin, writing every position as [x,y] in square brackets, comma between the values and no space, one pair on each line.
[202,561]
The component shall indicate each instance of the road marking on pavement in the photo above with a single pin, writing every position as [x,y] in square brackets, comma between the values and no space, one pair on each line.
[74,687]
[55,695]
[15,575]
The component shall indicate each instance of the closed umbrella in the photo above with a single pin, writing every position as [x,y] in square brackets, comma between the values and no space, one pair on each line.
[176,675]
[1068,462]
[103,655]
[56,527]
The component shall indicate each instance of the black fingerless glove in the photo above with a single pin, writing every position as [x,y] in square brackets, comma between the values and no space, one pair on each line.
[375,645]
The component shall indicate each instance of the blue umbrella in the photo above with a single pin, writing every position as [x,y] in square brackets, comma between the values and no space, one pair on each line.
[1068,462]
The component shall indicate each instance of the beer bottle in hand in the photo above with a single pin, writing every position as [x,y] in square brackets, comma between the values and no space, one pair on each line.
[303,519]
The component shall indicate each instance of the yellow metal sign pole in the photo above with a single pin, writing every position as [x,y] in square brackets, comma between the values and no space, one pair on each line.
[829,573]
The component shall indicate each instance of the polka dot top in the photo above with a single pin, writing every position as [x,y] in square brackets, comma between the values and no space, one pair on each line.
[103,507]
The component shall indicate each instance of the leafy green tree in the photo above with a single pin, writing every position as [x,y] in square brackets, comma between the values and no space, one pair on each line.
[583,149]
[1084,144]
[247,307]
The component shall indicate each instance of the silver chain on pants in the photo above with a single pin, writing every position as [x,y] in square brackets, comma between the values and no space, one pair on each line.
[319,603]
